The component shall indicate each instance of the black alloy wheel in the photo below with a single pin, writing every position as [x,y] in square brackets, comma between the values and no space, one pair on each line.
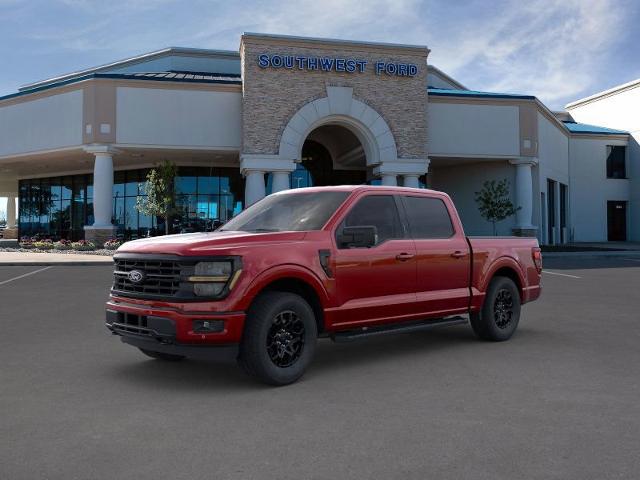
[503,309]
[285,339]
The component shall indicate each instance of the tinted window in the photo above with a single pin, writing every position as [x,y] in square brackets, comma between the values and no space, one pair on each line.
[288,212]
[428,217]
[379,211]
[616,167]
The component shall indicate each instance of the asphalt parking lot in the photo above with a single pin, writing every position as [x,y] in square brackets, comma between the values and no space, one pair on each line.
[558,401]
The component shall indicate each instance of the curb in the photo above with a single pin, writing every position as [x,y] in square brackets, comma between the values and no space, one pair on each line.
[600,254]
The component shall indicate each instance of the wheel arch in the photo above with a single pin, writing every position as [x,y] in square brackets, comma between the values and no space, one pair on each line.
[506,267]
[293,279]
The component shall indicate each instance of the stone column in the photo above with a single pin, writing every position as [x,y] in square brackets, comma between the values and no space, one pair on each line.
[411,181]
[280,181]
[102,228]
[524,196]
[254,189]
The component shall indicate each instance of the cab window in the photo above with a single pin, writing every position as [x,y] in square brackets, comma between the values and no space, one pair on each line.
[428,217]
[379,211]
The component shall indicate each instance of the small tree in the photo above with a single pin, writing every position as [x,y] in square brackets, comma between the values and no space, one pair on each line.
[494,203]
[160,193]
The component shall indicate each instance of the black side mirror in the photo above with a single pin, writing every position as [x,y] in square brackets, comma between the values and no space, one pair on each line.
[364,236]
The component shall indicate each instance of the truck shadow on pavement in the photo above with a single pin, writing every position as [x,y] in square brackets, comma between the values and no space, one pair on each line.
[195,375]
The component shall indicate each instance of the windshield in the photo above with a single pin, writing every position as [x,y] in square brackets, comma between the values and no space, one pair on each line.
[288,212]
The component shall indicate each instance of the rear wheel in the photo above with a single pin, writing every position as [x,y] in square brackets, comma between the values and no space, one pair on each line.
[500,314]
[279,338]
[162,356]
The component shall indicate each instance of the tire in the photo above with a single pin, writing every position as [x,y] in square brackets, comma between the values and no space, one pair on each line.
[162,356]
[498,319]
[279,338]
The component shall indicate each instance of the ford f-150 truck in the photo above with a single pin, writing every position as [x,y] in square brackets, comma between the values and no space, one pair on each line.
[339,262]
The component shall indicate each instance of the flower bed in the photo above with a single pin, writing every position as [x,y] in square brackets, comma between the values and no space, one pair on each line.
[42,245]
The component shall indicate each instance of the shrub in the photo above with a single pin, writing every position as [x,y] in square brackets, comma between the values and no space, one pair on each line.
[26,242]
[83,245]
[62,245]
[43,244]
[112,244]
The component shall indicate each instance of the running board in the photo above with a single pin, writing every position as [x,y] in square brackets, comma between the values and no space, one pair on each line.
[365,332]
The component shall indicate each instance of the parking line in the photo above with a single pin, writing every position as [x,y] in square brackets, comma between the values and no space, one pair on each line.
[561,274]
[25,275]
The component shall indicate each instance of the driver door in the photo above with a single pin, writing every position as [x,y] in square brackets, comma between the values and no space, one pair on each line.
[378,283]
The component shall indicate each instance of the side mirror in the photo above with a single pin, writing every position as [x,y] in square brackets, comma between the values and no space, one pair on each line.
[358,237]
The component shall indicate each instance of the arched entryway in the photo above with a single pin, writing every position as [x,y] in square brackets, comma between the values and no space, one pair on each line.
[336,140]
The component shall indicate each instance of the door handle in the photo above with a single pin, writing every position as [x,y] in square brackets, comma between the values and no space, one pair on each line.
[404,256]
[459,254]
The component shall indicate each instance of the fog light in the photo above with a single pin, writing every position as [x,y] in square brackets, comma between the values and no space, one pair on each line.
[208,326]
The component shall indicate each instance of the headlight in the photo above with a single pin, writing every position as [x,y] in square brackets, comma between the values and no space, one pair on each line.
[210,278]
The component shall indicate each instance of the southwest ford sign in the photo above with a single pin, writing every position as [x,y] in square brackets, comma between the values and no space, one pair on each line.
[334,64]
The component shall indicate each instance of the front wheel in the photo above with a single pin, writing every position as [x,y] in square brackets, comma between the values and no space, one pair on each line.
[279,338]
[500,314]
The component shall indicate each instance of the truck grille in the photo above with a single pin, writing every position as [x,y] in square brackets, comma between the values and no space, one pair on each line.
[161,278]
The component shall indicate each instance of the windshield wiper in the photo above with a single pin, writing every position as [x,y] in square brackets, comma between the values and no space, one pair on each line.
[263,230]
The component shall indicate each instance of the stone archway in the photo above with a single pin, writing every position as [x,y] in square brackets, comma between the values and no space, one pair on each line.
[340,108]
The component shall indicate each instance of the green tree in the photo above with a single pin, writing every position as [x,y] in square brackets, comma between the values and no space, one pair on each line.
[160,193]
[494,203]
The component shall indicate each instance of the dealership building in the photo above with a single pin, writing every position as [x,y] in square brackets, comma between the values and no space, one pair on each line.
[289,112]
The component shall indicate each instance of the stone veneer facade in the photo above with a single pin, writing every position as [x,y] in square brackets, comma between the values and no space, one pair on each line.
[272,96]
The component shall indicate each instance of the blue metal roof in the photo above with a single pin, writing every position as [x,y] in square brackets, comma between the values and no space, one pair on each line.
[445,92]
[188,77]
[575,127]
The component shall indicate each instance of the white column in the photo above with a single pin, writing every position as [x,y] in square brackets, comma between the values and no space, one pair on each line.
[411,181]
[102,190]
[280,181]
[11,212]
[254,187]
[524,192]
[389,179]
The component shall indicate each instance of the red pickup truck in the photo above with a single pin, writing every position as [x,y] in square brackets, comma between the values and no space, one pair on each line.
[340,262]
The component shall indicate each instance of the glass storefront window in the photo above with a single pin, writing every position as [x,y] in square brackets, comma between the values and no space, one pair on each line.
[60,207]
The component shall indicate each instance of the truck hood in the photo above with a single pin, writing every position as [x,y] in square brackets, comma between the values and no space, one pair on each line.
[208,243]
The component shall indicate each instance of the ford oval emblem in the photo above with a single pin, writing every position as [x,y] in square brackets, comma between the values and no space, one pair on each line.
[136,276]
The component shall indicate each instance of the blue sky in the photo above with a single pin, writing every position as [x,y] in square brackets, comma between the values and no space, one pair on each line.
[557,50]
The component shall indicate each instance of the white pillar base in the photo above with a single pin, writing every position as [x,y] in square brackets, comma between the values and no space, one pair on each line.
[280,182]
[524,193]
[102,186]
[11,212]
[254,187]
[411,181]
[389,180]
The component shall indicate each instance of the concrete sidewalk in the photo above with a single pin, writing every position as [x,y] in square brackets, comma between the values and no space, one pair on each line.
[37,259]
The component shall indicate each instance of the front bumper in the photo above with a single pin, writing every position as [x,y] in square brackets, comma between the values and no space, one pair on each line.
[171,323]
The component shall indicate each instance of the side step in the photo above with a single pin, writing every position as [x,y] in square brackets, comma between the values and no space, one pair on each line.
[407,327]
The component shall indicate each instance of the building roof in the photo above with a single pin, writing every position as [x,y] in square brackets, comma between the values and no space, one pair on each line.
[445,92]
[604,93]
[145,57]
[171,76]
[575,127]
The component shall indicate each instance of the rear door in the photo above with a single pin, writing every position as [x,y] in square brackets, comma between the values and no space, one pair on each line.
[443,256]
[376,283]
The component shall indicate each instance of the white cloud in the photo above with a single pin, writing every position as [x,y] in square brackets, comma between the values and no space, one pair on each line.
[551,49]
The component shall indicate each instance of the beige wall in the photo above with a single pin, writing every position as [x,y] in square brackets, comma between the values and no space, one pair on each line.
[45,123]
[179,117]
